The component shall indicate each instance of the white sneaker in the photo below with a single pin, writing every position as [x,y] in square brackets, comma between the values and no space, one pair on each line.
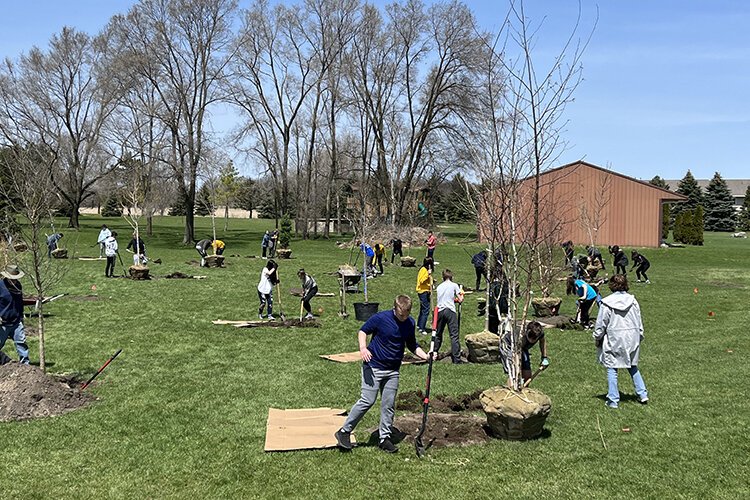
[260,316]
[271,318]
[309,316]
[648,282]
[638,281]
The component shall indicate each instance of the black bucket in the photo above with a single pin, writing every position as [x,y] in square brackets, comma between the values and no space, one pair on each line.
[365,310]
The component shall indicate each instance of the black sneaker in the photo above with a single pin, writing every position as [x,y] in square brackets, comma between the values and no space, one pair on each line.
[343,440]
[387,446]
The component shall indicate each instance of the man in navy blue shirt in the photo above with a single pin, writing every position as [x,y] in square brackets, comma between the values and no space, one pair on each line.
[11,311]
[391,332]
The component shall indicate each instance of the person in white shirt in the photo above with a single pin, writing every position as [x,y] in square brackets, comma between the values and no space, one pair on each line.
[448,293]
[103,235]
[268,278]
[110,250]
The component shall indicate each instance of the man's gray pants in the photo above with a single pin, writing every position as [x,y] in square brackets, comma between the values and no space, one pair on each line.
[448,318]
[374,380]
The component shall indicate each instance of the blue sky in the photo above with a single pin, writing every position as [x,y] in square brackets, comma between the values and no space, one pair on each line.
[666,83]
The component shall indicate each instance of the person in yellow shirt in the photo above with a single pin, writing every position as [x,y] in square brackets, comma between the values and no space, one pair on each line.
[379,249]
[424,291]
[218,247]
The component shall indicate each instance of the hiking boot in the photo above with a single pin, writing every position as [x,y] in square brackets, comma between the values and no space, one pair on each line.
[344,440]
[387,446]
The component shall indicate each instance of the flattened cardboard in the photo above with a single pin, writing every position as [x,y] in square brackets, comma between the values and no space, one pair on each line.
[305,429]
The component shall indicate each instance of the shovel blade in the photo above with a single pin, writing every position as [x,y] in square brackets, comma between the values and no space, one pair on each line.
[419,447]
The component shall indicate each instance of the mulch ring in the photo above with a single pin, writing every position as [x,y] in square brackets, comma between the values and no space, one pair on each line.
[443,430]
[177,275]
[26,392]
[412,401]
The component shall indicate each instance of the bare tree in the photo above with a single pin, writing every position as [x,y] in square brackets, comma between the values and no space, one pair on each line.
[27,194]
[57,99]
[180,48]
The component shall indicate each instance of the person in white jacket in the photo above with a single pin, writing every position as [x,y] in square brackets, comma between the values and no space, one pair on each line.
[618,334]
[103,235]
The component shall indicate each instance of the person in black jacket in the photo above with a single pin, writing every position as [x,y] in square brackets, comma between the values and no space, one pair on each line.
[620,260]
[479,260]
[11,311]
[641,265]
[595,255]
[397,245]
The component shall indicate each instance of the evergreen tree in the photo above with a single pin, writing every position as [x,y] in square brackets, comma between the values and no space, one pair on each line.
[203,203]
[679,228]
[179,207]
[689,187]
[285,232]
[697,232]
[665,220]
[719,206]
[659,182]
[112,207]
[246,194]
[744,218]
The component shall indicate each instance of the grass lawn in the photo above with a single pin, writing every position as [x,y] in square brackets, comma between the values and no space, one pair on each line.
[182,411]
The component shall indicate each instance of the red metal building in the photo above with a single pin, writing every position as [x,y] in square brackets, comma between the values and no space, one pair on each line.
[592,204]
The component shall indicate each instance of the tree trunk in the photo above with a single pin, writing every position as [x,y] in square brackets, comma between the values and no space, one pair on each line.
[150,225]
[73,219]
[40,328]
[189,235]
[226,218]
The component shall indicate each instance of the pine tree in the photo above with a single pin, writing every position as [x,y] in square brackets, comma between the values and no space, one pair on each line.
[697,232]
[689,187]
[178,208]
[744,218]
[285,231]
[719,206]
[665,218]
[659,182]
[203,204]
[112,207]
[679,228]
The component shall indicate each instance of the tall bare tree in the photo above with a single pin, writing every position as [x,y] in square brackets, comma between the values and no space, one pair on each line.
[180,48]
[57,98]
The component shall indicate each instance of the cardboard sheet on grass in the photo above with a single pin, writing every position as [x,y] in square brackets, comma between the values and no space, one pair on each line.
[306,429]
[354,357]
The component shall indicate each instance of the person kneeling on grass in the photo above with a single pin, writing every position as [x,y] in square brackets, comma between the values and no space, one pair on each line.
[618,334]
[268,278]
[391,332]
[309,290]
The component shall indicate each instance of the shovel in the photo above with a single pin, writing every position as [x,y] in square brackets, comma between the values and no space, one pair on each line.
[281,310]
[301,310]
[418,444]
[533,375]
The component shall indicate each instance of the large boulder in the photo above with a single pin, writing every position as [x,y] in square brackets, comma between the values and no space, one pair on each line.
[483,347]
[515,415]
[546,306]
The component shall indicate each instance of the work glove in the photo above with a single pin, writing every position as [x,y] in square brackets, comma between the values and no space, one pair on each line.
[545,362]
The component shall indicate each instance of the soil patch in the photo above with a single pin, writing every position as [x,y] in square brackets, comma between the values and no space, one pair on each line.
[443,430]
[289,323]
[412,401]
[26,392]
[177,275]
[192,262]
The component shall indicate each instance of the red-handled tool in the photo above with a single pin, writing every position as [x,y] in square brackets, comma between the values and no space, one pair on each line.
[101,369]
[418,444]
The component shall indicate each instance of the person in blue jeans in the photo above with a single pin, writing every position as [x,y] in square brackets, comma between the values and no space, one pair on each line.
[618,335]
[11,311]
[391,332]
[586,297]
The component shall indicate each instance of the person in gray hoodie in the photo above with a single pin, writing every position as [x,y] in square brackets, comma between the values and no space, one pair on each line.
[618,334]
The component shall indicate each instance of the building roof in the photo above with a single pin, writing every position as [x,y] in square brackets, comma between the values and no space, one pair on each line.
[666,194]
[737,187]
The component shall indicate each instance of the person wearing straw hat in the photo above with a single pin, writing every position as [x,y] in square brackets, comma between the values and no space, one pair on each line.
[11,311]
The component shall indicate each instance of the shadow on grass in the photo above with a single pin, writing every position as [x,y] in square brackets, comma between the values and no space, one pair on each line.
[623,397]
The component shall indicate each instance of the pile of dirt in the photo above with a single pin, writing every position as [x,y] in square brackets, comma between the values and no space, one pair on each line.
[177,275]
[410,236]
[443,429]
[26,392]
[412,401]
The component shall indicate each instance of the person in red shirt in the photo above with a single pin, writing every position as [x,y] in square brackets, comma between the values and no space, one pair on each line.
[431,244]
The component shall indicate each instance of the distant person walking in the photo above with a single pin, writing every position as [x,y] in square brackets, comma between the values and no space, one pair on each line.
[431,242]
[641,265]
[103,235]
[397,245]
[618,335]
[479,261]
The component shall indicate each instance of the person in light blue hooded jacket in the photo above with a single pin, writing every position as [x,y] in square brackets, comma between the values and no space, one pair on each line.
[618,334]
